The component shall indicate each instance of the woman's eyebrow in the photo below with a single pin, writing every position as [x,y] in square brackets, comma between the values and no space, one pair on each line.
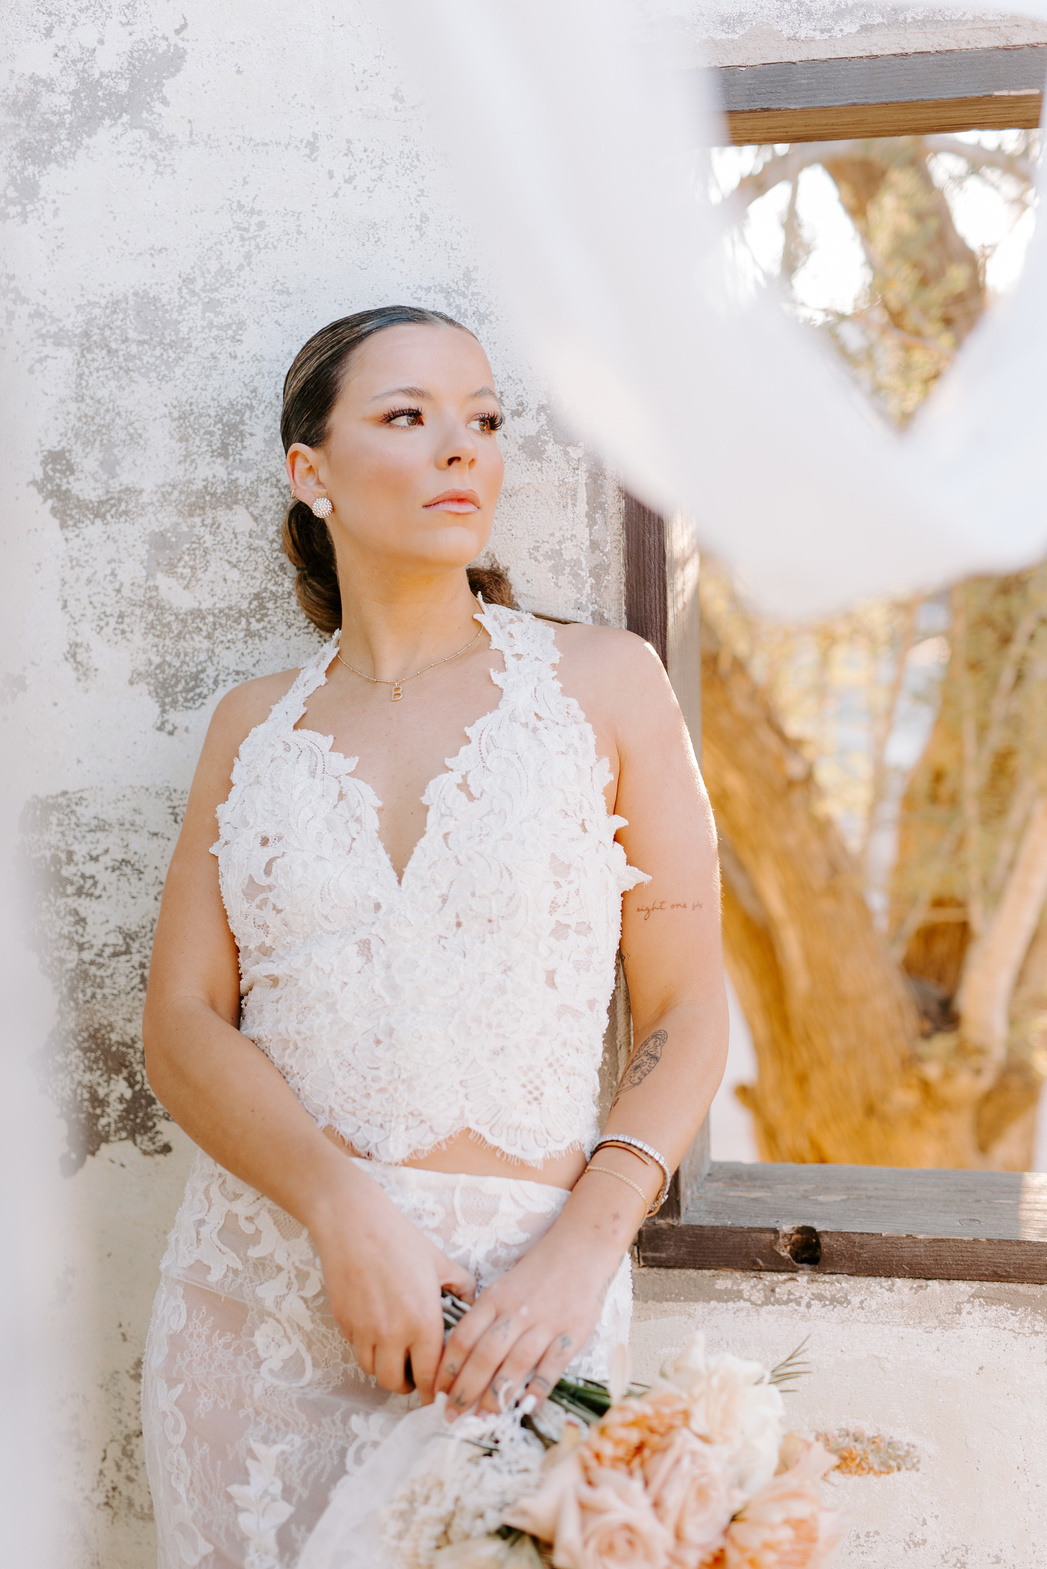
[421,392]
[402,392]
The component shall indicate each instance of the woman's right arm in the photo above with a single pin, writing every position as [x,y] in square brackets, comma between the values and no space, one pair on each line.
[383,1276]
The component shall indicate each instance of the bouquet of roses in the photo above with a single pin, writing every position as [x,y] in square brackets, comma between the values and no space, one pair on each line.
[696,1472]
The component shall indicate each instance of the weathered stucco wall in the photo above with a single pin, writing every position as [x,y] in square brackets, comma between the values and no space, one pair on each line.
[191,191]
[953,1374]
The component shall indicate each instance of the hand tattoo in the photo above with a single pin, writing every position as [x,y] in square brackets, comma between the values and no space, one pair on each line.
[644,1061]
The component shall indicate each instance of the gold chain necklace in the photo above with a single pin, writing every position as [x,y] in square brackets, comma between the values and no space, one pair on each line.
[398,686]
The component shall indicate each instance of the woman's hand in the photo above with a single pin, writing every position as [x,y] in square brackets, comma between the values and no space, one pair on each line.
[528,1325]
[384,1278]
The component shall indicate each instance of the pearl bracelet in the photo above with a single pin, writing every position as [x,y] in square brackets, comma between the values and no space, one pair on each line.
[644,1152]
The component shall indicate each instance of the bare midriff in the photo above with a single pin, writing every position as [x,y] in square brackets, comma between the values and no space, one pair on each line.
[469,1155]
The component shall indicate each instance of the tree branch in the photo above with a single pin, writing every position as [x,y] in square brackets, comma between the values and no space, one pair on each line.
[969,780]
[984,157]
[885,726]
[994,960]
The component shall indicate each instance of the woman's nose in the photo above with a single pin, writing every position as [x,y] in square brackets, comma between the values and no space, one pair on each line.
[462,451]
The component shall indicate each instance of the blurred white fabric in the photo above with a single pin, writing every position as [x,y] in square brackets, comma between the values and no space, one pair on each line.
[573,140]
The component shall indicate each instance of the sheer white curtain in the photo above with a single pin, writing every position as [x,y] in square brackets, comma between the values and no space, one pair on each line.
[573,138]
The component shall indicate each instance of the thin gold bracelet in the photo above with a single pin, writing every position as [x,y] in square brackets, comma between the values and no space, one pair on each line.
[610,1172]
[642,1151]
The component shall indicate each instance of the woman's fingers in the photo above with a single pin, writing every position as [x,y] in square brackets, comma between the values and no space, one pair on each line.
[486,1357]
[459,1281]
[551,1366]
[425,1355]
[461,1341]
[507,1383]
[389,1367]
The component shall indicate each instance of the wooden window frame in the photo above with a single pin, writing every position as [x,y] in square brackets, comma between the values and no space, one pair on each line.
[820,1219]
[810,1219]
[919,94]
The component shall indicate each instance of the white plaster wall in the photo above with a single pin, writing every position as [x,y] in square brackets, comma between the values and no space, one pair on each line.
[760,32]
[957,1369]
[190,190]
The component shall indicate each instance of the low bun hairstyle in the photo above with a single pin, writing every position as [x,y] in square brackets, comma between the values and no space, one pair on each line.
[311,391]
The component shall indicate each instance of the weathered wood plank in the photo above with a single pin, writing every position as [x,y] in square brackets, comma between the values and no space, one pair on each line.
[646,597]
[661,605]
[889,1199]
[666,1246]
[924,117]
[859,1220]
[873,79]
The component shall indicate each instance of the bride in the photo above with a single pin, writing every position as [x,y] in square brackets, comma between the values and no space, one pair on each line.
[382,971]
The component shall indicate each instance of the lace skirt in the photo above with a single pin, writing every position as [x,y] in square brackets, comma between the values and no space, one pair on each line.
[253,1405]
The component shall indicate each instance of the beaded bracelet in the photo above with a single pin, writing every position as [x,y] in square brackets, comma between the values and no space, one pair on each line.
[643,1151]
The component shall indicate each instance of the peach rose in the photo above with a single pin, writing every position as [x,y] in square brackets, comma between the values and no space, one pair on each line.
[635,1428]
[690,1491]
[785,1525]
[593,1525]
[619,1527]
[552,1513]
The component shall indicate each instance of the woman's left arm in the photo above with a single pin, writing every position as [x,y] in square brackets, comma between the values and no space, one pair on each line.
[528,1325]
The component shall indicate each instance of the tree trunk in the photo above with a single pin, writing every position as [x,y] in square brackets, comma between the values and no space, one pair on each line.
[835,1027]
[926,277]
[851,1069]
[970,881]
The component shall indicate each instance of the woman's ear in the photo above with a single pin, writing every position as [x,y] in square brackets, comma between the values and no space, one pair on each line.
[303,472]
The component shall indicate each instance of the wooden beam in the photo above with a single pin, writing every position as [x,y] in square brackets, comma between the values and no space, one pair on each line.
[661,605]
[646,599]
[923,93]
[917,117]
[884,78]
[859,1220]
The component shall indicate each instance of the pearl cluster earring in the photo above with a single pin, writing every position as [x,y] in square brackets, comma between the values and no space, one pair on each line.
[322,507]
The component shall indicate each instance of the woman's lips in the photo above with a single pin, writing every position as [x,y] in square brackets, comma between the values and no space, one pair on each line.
[454,501]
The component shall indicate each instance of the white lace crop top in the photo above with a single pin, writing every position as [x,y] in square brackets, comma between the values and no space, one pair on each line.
[474,993]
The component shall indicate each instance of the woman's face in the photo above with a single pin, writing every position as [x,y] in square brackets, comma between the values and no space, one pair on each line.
[411,462]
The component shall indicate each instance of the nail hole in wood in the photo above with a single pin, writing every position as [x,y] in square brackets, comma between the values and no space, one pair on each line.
[802,1244]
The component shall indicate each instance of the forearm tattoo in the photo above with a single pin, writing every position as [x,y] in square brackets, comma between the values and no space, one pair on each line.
[643,1061]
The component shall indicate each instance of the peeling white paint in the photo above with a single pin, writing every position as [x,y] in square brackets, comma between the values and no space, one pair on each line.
[191,190]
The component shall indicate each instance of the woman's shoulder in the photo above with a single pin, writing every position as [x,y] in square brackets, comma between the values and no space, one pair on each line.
[617,678]
[245,706]
[607,657]
[242,709]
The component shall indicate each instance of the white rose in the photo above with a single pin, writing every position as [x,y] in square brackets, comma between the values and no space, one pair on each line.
[734,1408]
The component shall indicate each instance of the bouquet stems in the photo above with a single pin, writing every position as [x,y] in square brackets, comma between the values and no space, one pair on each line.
[579,1397]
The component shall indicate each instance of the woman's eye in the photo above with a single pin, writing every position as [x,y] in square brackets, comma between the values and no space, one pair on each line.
[404,418]
[488,423]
